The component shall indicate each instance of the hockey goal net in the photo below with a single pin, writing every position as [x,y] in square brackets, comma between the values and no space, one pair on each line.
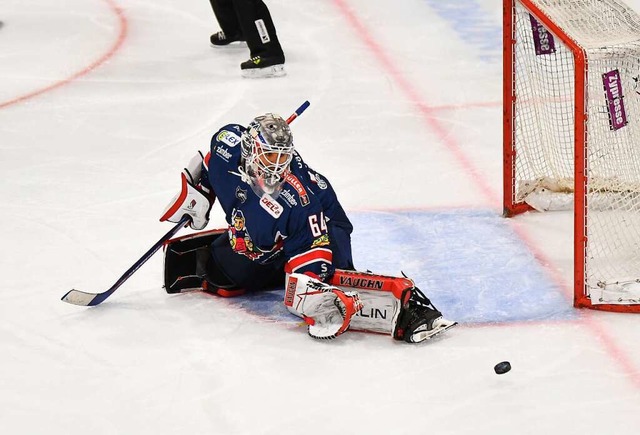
[572,134]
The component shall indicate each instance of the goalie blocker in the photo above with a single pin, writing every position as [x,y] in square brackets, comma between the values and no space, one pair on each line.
[360,301]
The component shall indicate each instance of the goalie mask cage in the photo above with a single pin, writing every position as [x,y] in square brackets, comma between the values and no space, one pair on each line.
[572,134]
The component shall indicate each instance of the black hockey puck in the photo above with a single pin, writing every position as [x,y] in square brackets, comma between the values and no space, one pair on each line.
[502,367]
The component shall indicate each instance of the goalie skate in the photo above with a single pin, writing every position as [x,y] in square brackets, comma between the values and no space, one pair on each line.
[419,320]
[425,332]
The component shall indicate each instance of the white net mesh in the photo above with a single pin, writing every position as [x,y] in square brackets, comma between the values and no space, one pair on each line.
[544,120]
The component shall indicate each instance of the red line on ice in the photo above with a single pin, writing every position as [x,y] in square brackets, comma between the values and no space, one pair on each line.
[428,113]
[429,116]
[102,59]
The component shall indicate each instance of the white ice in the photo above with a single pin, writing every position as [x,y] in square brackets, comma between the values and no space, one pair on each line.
[102,102]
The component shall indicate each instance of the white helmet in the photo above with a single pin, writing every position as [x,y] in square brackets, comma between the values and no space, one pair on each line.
[267,148]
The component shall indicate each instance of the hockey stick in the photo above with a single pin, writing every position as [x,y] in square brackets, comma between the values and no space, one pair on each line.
[298,112]
[78,297]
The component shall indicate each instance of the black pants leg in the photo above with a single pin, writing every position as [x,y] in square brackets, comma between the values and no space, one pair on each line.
[243,272]
[225,13]
[258,28]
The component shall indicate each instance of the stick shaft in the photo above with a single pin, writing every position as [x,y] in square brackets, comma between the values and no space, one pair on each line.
[78,297]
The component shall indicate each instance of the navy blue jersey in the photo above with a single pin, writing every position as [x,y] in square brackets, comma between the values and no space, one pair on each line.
[305,223]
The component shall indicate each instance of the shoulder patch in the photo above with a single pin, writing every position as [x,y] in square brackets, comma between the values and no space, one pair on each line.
[229,138]
[316,178]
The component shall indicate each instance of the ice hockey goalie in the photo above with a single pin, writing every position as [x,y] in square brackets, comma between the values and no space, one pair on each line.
[286,228]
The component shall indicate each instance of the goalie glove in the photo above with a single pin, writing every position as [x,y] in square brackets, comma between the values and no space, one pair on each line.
[326,309]
[190,201]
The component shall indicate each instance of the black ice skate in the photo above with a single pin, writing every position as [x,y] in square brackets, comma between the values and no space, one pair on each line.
[219,39]
[260,66]
[419,320]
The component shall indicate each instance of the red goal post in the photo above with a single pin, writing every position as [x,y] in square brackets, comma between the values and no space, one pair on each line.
[571,134]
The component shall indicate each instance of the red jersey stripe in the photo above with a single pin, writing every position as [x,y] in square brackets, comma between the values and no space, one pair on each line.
[308,257]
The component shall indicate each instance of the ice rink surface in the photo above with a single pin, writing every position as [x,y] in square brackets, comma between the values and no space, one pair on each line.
[102,102]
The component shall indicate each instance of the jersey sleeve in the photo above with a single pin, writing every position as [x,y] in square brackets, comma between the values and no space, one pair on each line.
[225,149]
[306,247]
[324,192]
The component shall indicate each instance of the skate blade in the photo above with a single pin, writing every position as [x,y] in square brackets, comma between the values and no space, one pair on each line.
[427,335]
[234,44]
[262,73]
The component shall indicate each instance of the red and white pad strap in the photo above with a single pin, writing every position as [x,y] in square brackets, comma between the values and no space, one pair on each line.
[326,309]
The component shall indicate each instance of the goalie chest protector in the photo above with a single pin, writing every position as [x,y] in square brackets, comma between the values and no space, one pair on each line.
[263,228]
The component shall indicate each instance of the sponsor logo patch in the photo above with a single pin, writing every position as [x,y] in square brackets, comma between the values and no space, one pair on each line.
[223,153]
[288,197]
[271,206]
[297,185]
[291,291]
[262,31]
[228,138]
[615,99]
[372,313]
[349,281]
[542,40]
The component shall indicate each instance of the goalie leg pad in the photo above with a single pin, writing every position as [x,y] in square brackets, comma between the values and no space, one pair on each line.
[188,266]
[326,309]
[379,313]
[392,305]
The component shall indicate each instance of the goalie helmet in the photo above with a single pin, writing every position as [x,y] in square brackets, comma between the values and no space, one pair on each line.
[267,149]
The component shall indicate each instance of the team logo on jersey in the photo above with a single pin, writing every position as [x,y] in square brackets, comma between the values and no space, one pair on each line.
[228,138]
[323,240]
[239,237]
[241,194]
[223,153]
[297,185]
[271,206]
[319,181]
